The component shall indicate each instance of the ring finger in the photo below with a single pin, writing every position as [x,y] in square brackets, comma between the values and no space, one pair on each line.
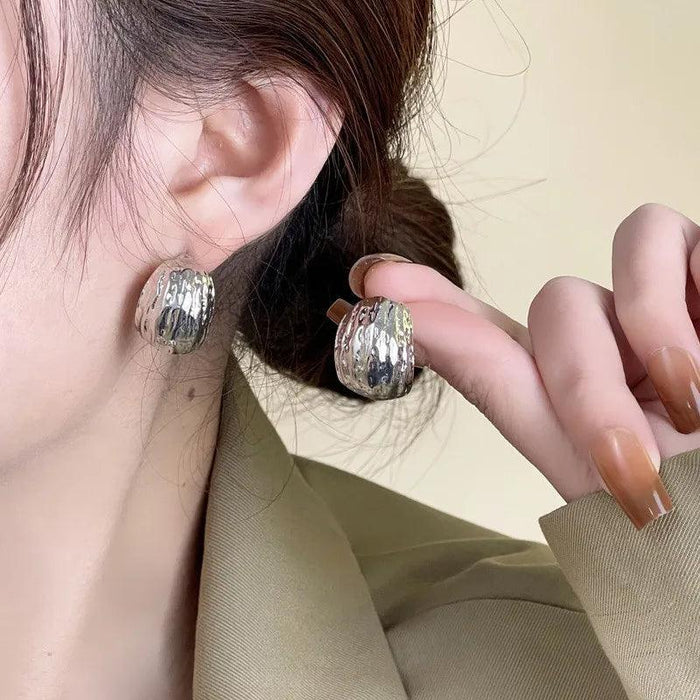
[651,255]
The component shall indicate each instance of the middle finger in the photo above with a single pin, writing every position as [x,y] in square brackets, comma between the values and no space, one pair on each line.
[580,363]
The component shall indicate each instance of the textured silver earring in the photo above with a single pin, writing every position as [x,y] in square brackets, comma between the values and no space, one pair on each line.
[374,352]
[175,307]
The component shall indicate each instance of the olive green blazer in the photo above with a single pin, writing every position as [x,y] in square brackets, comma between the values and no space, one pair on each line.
[317,584]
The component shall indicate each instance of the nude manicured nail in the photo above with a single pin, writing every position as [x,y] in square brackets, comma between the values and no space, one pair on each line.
[675,377]
[358,271]
[338,310]
[633,480]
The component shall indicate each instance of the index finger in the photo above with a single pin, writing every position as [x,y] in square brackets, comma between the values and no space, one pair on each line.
[415,282]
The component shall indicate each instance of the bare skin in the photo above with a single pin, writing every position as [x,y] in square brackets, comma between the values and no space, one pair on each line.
[106,444]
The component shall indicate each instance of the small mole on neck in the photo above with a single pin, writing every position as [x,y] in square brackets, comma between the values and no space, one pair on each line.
[190,393]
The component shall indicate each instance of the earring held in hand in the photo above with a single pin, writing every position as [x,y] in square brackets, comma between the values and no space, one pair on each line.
[374,352]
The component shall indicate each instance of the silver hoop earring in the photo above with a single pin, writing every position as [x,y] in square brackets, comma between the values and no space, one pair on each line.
[176,307]
[374,352]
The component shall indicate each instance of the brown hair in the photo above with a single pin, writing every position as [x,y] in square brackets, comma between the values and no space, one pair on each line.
[371,59]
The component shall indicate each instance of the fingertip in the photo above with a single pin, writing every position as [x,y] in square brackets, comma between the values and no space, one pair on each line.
[358,272]
[632,478]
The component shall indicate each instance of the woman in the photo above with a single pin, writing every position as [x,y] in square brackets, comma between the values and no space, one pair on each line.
[258,140]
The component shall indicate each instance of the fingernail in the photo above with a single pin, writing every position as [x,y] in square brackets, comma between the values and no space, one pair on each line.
[359,270]
[675,377]
[630,475]
[338,310]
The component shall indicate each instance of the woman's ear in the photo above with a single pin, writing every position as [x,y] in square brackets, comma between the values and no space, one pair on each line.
[238,169]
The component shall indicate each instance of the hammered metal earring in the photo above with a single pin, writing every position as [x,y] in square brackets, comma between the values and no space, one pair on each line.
[175,307]
[374,352]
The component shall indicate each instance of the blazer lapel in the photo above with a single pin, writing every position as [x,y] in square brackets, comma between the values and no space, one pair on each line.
[284,611]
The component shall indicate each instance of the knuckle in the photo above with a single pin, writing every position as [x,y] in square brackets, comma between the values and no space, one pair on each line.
[650,210]
[489,393]
[638,313]
[475,391]
[480,394]
[557,287]
[638,220]
[575,385]
[571,384]
[555,295]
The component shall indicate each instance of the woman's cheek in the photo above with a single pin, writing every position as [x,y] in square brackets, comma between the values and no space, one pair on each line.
[57,333]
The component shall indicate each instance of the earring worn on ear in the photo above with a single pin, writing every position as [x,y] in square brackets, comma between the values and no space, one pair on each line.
[374,352]
[175,307]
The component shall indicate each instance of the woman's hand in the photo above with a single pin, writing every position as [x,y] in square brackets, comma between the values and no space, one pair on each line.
[578,391]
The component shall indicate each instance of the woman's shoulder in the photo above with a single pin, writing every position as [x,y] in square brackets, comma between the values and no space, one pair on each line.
[466,610]
[317,583]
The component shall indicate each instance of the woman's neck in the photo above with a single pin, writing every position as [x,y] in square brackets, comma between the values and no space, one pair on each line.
[100,537]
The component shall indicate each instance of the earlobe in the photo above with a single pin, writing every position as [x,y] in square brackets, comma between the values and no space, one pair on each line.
[255,160]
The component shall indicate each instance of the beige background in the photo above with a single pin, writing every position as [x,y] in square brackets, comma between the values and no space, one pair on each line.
[540,159]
